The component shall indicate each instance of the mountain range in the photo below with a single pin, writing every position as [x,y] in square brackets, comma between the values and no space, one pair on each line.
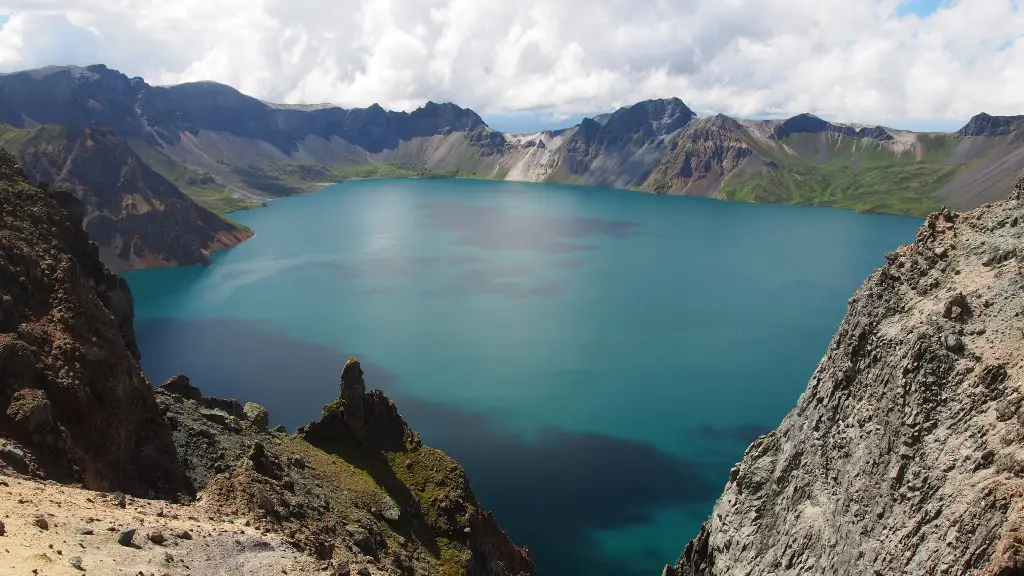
[159,166]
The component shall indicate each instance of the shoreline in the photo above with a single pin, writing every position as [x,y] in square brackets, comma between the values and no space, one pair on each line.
[321,186]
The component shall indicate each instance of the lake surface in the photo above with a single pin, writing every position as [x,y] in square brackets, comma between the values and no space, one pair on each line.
[596,359]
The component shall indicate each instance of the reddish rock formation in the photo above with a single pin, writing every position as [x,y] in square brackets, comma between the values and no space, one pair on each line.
[72,397]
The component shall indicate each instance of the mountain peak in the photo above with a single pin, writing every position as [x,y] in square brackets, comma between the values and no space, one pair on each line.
[663,116]
[801,123]
[987,125]
[445,115]
[807,123]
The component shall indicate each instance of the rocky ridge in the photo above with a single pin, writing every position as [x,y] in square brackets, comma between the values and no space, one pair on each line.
[903,455]
[231,151]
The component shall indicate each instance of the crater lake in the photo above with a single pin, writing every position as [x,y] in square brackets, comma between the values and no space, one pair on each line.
[596,359]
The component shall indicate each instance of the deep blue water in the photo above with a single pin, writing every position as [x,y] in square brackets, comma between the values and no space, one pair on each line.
[596,359]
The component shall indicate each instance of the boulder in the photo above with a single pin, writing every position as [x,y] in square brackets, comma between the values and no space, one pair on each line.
[125,537]
[389,510]
[257,415]
[29,409]
[180,385]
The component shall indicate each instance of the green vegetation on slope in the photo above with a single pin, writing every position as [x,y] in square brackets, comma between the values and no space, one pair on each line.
[201,187]
[390,170]
[897,188]
[286,179]
[13,139]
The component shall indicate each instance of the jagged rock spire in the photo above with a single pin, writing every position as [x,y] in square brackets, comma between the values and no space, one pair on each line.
[353,389]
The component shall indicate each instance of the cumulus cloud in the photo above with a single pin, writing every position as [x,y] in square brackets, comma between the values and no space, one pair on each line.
[850,60]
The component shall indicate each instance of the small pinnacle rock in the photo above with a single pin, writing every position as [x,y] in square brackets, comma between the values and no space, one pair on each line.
[125,538]
[121,501]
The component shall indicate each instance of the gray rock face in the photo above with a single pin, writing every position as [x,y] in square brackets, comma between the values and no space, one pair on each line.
[904,455]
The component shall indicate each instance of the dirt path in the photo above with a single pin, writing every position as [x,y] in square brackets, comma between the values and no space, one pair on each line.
[193,542]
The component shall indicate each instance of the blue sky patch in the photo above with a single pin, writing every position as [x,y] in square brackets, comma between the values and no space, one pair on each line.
[530,122]
[921,8]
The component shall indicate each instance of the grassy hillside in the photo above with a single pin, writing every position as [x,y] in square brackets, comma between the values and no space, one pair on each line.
[910,189]
[201,187]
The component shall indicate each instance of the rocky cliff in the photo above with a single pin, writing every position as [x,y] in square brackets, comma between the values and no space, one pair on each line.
[74,404]
[904,454]
[354,493]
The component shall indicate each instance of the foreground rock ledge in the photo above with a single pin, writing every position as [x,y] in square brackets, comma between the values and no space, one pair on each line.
[355,488]
[905,455]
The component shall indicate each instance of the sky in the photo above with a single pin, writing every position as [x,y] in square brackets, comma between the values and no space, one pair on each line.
[528,64]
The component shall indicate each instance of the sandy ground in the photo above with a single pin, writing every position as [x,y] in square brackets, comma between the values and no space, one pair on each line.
[212,545]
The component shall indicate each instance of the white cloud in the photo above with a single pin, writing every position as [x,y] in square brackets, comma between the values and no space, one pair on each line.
[851,60]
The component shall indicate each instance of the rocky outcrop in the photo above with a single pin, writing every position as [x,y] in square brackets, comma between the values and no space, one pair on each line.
[354,489]
[700,157]
[903,455]
[74,405]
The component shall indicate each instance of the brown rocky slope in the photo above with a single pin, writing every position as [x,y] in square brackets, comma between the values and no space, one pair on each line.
[904,454]
[354,493]
[71,392]
[138,218]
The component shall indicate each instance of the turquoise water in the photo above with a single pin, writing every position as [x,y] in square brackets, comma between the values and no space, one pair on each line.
[596,359]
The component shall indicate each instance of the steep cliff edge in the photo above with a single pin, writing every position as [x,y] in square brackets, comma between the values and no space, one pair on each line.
[903,456]
[72,397]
